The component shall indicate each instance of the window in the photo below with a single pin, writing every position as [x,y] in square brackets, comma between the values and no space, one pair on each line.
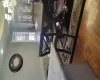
[24,37]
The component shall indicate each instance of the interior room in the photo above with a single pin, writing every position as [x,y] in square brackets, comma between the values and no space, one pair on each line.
[49,40]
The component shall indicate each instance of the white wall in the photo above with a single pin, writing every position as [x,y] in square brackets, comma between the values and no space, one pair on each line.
[31,69]
[3,43]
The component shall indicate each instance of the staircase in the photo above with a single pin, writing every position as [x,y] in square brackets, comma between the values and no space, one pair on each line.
[57,71]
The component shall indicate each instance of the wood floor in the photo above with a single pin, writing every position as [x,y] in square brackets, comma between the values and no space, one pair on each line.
[88,43]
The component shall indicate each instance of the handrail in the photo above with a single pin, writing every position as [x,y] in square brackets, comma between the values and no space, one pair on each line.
[65,39]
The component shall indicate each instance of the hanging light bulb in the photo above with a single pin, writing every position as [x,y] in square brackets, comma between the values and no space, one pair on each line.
[1,51]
